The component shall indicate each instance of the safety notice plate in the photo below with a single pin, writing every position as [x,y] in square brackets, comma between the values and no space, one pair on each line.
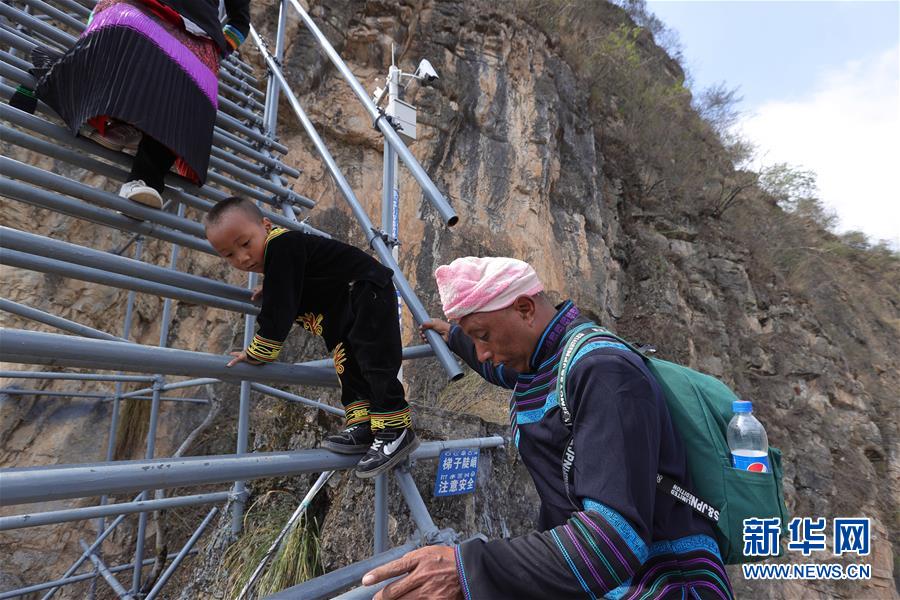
[456,473]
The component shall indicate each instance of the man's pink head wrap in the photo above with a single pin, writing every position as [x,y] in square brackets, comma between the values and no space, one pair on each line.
[470,284]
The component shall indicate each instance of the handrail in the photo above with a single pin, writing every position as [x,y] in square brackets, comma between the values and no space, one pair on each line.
[22,485]
[40,348]
[448,215]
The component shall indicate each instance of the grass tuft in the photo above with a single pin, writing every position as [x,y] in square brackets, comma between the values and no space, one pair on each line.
[298,559]
[134,421]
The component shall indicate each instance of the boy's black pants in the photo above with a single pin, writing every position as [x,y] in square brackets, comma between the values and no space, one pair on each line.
[373,353]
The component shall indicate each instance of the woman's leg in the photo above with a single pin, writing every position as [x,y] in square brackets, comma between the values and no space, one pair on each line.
[151,163]
[147,179]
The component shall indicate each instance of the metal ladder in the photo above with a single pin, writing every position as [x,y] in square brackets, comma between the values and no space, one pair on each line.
[246,159]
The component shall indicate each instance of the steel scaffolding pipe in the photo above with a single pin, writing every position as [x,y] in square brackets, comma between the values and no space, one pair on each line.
[82,160]
[234,68]
[40,484]
[234,159]
[242,97]
[328,585]
[11,113]
[408,353]
[81,210]
[170,386]
[223,141]
[15,61]
[75,7]
[57,132]
[240,69]
[234,109]
[114,583]
[22,260]
[74,579]
[417,509]
[239,84]
[234,59]
[54,321]
[74,376]
[35,176]
[249,180]
[13,391]
[276,393]
[177,385]
[448,362]
[102,536]
[31,243]
[258,387]
[273,91]
[20,31]
[55,13]
[366,592]
[18,16]
[230,124]
[40,348]
[106,510]
[265,184]
[242,188]
[221,136]
[15,39]
[188,194]
[14,73]
[391,137]
[185,550]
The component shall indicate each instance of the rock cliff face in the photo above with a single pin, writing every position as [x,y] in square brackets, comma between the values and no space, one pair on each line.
[507,133]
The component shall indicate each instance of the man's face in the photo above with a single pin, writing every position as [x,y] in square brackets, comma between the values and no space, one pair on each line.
[506,336]
[240,239]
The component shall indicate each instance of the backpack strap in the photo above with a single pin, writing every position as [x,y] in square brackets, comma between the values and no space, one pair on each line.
[578,340]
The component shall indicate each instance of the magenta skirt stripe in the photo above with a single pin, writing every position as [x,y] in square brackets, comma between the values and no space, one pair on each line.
[124,15]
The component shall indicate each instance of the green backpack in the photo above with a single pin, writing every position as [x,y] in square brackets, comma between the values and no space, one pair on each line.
[700,407]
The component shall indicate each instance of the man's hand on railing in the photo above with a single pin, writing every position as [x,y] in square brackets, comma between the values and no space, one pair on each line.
[441,327]
[431,575]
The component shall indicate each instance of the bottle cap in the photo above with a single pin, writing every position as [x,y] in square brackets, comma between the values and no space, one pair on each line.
[742,406]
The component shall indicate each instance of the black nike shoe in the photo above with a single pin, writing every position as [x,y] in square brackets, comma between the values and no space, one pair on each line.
[391,446]
[355,439]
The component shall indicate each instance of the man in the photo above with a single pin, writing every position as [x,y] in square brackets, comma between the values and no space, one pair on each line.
[604,527]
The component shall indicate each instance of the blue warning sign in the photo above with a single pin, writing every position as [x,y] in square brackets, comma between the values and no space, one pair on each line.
[456,473]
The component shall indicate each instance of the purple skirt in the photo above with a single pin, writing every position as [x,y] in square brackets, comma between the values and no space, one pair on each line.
[135,67]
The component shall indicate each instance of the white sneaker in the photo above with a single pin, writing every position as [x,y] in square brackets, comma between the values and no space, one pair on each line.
[141,193]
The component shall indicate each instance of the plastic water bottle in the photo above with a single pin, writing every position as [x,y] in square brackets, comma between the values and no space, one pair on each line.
[747,439]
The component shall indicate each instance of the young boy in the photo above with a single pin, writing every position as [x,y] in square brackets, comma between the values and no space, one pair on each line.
[336,291]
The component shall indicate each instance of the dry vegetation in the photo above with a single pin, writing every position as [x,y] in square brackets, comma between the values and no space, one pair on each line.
[675,152]
[297,559]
